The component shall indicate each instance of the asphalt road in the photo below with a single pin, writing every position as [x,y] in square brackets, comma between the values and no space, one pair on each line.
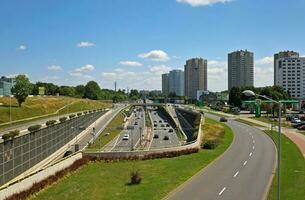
[162,129]
[242,172]
[137,120]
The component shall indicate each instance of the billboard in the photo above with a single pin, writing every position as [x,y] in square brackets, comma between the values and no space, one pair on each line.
[41,90]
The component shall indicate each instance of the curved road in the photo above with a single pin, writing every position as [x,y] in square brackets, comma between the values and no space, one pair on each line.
[242,172]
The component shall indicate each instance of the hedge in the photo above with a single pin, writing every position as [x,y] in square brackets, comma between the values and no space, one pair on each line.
[34,128]
[71,116]
[62,119]
[50,122]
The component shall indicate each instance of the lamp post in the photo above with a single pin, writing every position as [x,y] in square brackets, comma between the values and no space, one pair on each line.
[250,93]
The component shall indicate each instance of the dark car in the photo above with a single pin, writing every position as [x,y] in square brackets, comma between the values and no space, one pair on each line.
[166,138]
[160,121]
[223,119]
[167,125]
[297,125]
[136,123]
[155,125]
[156,136]
[301,127]
[170,130]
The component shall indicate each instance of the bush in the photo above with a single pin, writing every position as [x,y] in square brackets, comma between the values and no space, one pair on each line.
[34,128]
[85,112]
[6,136]
[135,178]
[79,114]
[50,122]
[71,116]
[62,119]
[14,133]
[211,144]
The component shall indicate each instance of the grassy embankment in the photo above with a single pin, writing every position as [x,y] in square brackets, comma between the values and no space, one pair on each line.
[292,171]
[45,107]
[99,180]
[275,123]
[110,132]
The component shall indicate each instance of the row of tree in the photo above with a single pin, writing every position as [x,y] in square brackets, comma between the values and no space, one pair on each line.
[91,90]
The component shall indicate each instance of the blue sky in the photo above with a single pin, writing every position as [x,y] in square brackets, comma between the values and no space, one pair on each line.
[133,41]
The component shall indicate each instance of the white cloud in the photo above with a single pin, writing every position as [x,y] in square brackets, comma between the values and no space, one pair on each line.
[196,3]
[85,44]
[160,69]
[263,71]
[265,60]
[131,63]
[85,68]
[155,55]
[217,75]
[54,68]
[51,78]
[22,47]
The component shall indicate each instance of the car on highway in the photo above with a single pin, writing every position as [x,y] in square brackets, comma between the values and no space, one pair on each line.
[223,119]
[136,123]
[167,125]
[160,121]
[162,125]
[155,125]
[296,120]
[126,137]
[166,138]
[170,130]
[156,136]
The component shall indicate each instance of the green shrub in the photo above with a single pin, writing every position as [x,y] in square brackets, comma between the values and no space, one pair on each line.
[71,116]
[79,114]
[14,133]
[85,112]
[62,119]
[135,178]
[50,122]
[6,136]
[34,128]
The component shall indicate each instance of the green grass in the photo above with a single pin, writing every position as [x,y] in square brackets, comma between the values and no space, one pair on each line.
[113,129]
[105,181]
[147,120]
[39,106]
[268,121]
[292,171]
[249,123]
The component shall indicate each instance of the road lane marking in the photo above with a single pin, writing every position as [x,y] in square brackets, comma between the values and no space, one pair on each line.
[223,189]
[253,141]
[250,154]
[236,174]
[252,136]
[245,163]
[253,147]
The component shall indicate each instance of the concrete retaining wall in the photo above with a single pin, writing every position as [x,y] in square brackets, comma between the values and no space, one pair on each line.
[28,182]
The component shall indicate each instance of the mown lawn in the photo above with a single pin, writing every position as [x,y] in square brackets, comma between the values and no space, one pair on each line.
[105,181]
[38,106]
[113,129]
[292,171]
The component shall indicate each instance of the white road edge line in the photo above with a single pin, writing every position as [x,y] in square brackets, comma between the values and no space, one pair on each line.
[223,189]
[236,174]
[245,163]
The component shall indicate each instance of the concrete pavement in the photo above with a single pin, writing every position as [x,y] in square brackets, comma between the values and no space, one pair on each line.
[242,172]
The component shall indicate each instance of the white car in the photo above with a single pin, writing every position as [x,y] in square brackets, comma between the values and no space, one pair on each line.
[126,137]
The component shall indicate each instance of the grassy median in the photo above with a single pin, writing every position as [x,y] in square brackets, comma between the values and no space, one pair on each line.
[292,171]
[109,133]
[100,180]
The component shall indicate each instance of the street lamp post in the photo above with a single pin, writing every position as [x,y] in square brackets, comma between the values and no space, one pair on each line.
[251,93]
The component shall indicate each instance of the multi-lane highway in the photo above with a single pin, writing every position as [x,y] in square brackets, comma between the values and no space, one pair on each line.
[242,172]
[164,135]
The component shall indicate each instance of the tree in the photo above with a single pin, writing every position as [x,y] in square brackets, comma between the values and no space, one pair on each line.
[80,91]
[235,96]
[92,90]
[22,89]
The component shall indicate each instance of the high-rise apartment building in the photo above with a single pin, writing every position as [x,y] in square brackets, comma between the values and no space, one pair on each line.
[195,76]
[290,74]
[283,54]
[165,84]
[240,69]
[176,82]
[6,84]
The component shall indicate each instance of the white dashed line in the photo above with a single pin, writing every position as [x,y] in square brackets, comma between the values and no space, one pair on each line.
[223,189]
[253,147]
[253,141]
[250,154]
[252,136]
[236,174]
[245,163]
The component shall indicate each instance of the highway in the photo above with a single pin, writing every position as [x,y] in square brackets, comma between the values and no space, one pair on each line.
[242,172]
[161,129]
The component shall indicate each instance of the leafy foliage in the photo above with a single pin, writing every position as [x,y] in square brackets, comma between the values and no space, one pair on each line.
[22,88]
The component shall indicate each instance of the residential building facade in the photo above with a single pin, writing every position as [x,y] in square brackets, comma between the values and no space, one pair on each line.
[6,84]
[290,74]
[240,69]
[195,77]
[283,54]
[165,84]
[176,82]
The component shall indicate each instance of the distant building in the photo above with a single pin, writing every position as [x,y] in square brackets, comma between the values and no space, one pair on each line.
[165,84]
[6,85]
[240,69]
[176,82]
[195,76]
[283,54]
[290,74]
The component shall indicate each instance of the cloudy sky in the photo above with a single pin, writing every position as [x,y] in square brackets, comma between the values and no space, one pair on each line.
[134,41]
